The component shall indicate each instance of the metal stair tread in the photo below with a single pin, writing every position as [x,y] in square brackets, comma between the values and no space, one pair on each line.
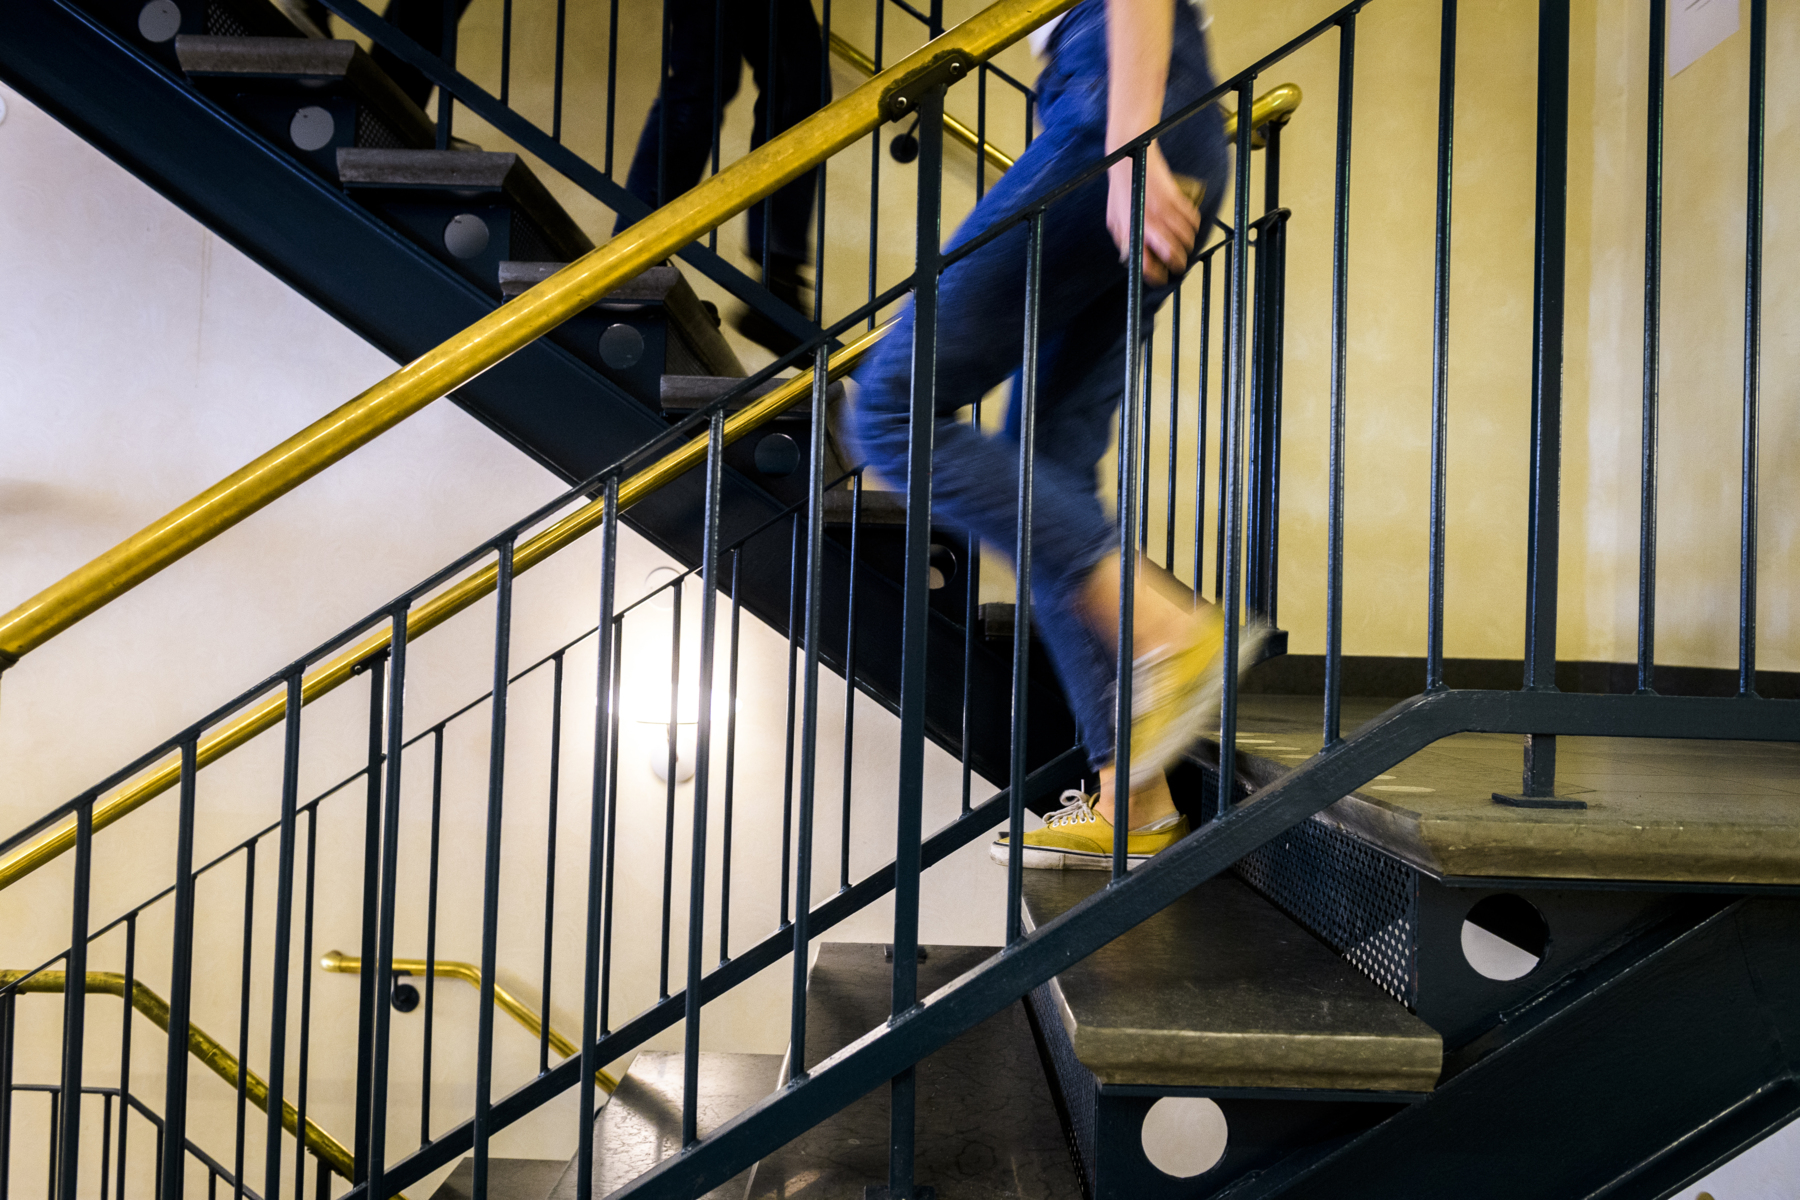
[1223,990]
[662,284]
[1642,823]
[313,64]
[465,173]
[987,1126]
[641,1123]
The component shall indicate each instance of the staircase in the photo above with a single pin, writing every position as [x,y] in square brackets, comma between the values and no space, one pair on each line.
[1394,959]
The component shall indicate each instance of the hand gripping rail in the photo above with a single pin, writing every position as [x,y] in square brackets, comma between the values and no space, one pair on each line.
[490,340]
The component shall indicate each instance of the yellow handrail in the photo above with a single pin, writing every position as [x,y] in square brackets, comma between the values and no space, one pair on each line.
[469,973]
[201,1045]
[997,158]
[510,327]
[1274,106]
[426,616]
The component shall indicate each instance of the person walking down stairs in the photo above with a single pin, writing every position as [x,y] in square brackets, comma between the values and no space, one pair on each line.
[1113,68]
[780,41]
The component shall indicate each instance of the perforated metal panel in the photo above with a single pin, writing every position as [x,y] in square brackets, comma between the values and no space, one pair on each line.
[222,22]
[1074,1084]
[1361,902]
[372,133]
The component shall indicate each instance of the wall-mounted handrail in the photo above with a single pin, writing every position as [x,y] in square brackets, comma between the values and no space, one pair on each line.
[340,963]
[781,160]
[339,669]
[202,1045]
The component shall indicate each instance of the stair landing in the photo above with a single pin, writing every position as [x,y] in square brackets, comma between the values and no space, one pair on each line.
[1658,810]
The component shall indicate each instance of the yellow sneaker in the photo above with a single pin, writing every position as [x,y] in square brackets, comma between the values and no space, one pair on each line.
[1176,693]
[1076,838]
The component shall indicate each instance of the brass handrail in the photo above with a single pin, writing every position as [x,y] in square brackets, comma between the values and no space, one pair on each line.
[1274,107]
[469,973]
[428,615]
[997,158]
[203,1046]
[488,341]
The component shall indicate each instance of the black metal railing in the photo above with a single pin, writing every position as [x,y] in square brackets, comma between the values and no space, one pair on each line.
[796,546]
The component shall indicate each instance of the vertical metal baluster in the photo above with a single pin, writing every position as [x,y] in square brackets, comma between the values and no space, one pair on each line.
[809,712]
[731,694]
[1174,429]
[1232,440]
[127,994]
[662,109]
[281,961]
[599,840]
[556,86]
[709,620]
[971,614]
[431,915]
[915,612]
[106,1107]
[8,1015]
[181,981]
[856,492]
[55,1130]
[67,1150]
[490,884]
[819,172]
[1340,292]
[787,778]
[718,98]
[1440,349]
[612,83]
[243,1046]
[672,764]
[875,172]
[1131,513]
[1227,364]
[1545,509]
[367,995]
[305,1048]
[981,77]
[1200,428]
[1753,256]
[1277,345]
[1147,357]
[1647,480]
[506,15]
[390,870]
[1021,656]
[612,817]
[446,104]
[556,690]
[770,86]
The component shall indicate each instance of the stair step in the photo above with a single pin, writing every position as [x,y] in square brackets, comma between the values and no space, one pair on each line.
[1658,810]
[1222,990]
[508,1179]
[987,1126]
[473,209]
[155,28]
[641,1125]
[310,96]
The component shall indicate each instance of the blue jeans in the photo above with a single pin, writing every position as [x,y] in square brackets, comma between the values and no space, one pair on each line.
[1081,365]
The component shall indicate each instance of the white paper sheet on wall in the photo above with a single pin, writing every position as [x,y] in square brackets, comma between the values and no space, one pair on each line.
[1696,26]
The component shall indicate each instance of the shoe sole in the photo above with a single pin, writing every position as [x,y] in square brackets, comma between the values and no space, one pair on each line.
[1040,859]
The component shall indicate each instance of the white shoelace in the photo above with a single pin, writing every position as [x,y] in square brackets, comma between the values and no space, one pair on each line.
[1078,809]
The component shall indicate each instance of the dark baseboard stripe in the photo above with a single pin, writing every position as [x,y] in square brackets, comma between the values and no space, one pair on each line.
[1376,675]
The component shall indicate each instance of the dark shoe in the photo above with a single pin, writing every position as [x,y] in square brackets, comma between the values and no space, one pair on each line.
[785,283]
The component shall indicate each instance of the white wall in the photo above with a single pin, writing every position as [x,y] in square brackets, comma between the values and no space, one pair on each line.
[146,359]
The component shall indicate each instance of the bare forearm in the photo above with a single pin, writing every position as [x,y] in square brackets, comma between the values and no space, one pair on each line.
[1138,36]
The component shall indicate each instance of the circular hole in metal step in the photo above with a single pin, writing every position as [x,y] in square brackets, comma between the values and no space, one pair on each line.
[466,235]
[312,128]
[621,347]
[1504,937]
[777,454]
[159,20]
[943,565]
[1184,1136]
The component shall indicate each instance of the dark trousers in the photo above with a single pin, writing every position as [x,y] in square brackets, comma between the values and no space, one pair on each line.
[678,134]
